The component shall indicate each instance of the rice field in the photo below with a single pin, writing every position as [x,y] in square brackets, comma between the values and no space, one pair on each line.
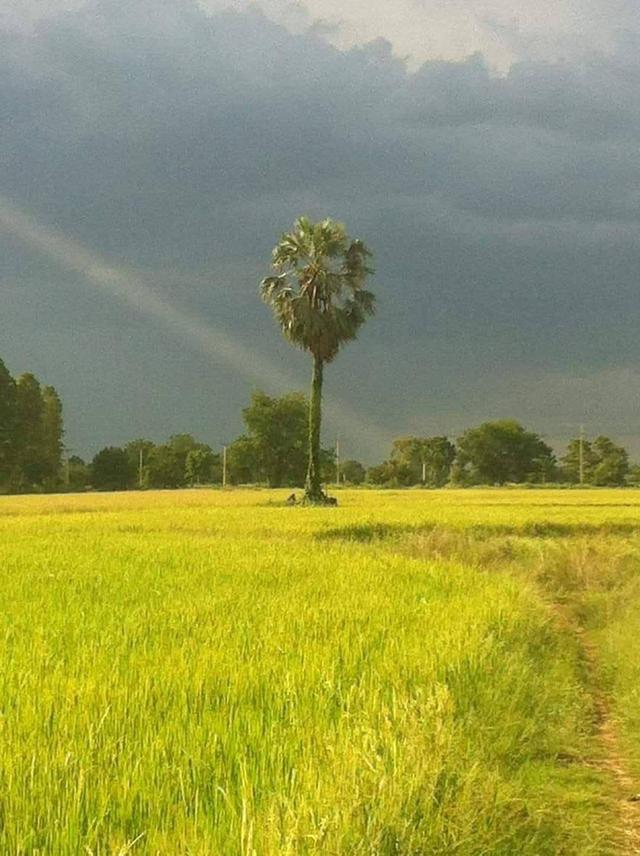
[207,672]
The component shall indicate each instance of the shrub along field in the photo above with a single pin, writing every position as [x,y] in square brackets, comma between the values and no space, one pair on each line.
[446,672]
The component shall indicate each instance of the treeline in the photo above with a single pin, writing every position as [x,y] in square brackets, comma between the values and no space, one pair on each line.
[31,432]
[499,453]
[273,451]
[181,461]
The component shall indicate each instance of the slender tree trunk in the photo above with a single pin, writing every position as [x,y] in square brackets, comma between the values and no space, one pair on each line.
[313,487]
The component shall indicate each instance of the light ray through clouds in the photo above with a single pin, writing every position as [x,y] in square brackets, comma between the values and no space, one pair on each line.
[128,287]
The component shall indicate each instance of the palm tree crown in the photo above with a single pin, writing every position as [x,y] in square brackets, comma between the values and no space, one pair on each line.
[318,294]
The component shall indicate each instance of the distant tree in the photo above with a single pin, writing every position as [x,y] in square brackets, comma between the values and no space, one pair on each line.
[501,452]
[199,466]
[379,474]
[437,457]
[577,450]
[406,455]
[603,462]
[390,474]
[274,449]
[30,432]
[139,452]
[277,428]
[53,432]
[181,445]
[111,469]
[167,464]
[78,474]
[327,466]
[429,459]
[320,303]
[546,470]
[612,463]
[242,461]
[8,426]
[633,476]
[164,469]
[352,472]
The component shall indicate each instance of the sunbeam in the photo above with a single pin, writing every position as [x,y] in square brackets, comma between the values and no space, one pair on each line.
[127,286]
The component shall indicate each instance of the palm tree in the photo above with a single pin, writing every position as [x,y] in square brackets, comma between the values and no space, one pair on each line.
[319,300]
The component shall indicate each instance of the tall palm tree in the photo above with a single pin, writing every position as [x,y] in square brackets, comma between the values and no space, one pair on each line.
[319,300]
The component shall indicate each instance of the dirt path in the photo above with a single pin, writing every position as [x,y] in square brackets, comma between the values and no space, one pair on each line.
[613,760]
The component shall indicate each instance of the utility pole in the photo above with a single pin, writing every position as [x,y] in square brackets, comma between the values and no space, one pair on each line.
[338,460]
[224,466]
[424,473]
[581,454]
[140,464]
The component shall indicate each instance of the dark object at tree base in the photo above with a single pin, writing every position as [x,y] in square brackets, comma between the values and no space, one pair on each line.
[320,499]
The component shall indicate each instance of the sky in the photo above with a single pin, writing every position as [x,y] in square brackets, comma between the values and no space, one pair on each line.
[152,151]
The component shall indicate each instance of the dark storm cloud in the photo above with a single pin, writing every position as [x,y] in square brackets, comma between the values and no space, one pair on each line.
[503,210]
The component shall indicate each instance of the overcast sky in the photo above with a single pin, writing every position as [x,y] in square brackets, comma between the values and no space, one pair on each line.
[487,150]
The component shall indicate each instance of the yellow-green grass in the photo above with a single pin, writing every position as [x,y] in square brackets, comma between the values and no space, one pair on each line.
[604,575]
[211,672]
[620,645]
